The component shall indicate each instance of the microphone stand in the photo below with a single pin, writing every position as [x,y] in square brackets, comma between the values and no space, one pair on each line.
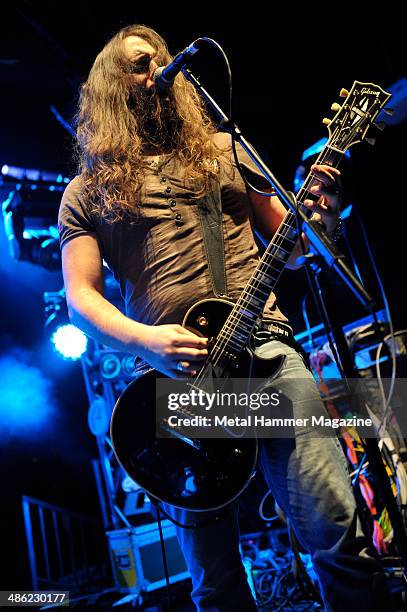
[325,302]
[333,258]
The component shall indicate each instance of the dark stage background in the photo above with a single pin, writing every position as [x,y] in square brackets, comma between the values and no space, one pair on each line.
[289,62]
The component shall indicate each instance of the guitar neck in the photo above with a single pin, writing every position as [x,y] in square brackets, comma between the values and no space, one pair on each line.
[241,321]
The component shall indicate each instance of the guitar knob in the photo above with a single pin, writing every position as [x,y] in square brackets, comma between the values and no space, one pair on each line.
[371,141]
[380,125]
[389,111]
[335,107]
[343,93]
[326,121]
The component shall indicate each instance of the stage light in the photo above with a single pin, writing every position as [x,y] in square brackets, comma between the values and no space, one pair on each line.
[128,366]
[44,252]
[30,213]
[69,341]
[32,174]
[110,366]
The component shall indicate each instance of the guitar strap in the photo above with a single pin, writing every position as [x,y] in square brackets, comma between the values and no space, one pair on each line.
[210,216]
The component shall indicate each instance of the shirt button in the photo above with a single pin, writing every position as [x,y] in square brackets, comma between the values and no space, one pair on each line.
[173,203]
[163,179]
[178,216]
[168,189]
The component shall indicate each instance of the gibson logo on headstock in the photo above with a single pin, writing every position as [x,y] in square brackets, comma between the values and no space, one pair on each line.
[369,92]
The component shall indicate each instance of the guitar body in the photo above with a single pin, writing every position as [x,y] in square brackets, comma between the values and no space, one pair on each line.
[169,469]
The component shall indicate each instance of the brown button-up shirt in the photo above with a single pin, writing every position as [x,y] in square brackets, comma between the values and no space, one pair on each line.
[159,259]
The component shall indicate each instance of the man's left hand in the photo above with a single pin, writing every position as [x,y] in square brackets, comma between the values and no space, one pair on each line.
[328,188]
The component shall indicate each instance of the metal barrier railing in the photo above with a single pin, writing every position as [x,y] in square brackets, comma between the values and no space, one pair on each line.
[65,549]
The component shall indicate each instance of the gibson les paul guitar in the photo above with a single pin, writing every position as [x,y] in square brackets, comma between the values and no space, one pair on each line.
[208,474]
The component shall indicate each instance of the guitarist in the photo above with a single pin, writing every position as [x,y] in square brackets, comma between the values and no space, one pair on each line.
[146,159]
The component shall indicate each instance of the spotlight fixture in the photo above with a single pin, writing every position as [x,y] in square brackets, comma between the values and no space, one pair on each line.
[67,340]
[110,366]
[30,211]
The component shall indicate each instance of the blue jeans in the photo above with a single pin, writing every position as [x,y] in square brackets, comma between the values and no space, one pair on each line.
[308,478]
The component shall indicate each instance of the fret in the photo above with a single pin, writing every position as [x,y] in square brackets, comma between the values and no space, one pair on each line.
[241,307]
[290,229]
[281,254]
[254,301]
[263,278]
[247,329]
[247,312]
[258,290]
[275,265]
[263,287]
[230,340]
[228,347]
[271,265]
[228,343]
[280,247]
[239,336]
[284,222]
[225,343]
[281,242]
[244,304]
[241,319]
[293,238]
[334,151]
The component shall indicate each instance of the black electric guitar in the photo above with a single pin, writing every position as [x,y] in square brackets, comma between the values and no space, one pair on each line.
[207,474]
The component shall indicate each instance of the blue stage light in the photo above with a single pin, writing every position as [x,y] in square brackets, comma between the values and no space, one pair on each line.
[69,341]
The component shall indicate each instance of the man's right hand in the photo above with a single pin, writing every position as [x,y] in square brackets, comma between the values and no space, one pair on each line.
[172,349]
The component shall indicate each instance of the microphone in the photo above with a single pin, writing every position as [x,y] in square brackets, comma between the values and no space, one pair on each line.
[165,75]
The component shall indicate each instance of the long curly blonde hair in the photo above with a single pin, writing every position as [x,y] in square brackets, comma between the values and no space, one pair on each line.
[109,134]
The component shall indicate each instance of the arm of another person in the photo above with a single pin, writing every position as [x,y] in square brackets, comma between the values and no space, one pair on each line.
[269,212]
[162,346]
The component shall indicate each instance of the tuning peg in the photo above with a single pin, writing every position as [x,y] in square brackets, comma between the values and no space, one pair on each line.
[371,141]
[335,107]
[389,111]
[326,121]
[380,125]
[344,93]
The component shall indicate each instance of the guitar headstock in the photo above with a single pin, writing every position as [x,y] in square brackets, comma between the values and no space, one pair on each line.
[356,115]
